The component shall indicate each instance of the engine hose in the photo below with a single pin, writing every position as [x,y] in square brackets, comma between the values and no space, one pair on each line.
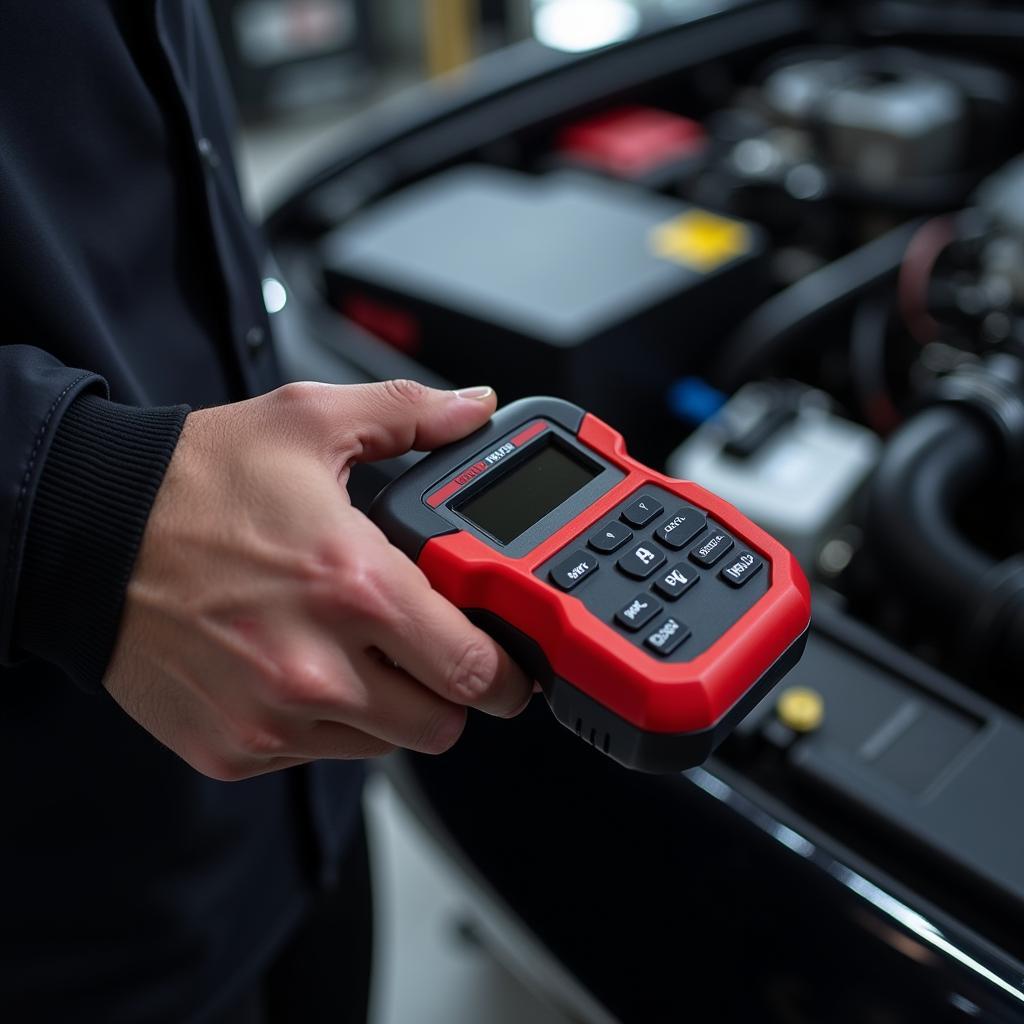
[929,467]
[786,322]
[930,464]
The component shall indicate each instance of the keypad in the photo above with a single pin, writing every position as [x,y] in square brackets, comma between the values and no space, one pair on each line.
[652,589]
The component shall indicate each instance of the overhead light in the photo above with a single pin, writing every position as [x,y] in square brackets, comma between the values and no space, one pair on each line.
[579,25]
[274,295]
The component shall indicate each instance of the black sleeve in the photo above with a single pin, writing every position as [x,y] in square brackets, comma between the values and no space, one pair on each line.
[78,477]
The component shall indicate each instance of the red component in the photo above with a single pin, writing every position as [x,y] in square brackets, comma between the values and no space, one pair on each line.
[923,252]
[528,434]
[653,696]
[395,326]
[630,141]
[464,476]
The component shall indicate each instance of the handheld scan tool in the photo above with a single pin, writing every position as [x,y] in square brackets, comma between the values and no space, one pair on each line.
[653,614]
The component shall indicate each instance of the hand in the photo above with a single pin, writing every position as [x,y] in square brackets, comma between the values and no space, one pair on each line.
[266,618]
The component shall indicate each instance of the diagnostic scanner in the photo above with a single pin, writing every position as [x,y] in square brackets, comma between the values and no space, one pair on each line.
[653,614]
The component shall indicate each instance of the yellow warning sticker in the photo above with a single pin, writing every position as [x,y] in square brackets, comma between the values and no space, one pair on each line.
[700,240]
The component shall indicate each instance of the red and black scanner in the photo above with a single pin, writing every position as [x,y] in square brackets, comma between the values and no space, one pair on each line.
[653,614]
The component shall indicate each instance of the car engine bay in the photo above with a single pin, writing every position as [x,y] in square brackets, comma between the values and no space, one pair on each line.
[780,246]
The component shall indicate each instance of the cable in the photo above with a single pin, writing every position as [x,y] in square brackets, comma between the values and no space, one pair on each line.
[930,466]
[923,252]
[783,324]
[869,328]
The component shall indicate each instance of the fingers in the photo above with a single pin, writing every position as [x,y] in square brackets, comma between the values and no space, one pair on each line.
[437,645]
[390,418]
[336,741]
[395,709]
[372,710]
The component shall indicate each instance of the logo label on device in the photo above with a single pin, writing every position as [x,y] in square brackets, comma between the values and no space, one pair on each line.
[499,453]
[463,477]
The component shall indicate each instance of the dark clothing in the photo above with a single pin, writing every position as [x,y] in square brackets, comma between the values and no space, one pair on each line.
[322,976]
[133,889]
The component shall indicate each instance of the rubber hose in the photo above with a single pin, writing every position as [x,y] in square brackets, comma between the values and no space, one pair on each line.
[935,460]
[784,323]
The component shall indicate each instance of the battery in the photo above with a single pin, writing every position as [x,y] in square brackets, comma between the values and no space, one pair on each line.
[779,453]
[588,289]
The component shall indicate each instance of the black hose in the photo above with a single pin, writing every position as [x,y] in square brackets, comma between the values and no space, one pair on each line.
[784,323]
[869,328]
[930,465]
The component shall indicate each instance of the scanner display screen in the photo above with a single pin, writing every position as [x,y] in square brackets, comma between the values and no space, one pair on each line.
[524,495]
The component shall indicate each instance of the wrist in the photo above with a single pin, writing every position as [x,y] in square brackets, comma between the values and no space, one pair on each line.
[101,476]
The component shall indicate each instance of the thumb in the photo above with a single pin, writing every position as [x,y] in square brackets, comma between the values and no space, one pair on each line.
[390,418]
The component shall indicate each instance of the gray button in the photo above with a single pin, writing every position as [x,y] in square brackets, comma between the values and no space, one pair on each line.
[668,636]
[745,566]
[640,512]
[574,569]
[610,537]
[638,612]
[678,531]
[642,561]
[713,547]
[255,337]
[208,151]
[676,581]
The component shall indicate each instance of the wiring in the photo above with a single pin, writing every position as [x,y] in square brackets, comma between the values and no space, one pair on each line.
[926,246]
[783,324]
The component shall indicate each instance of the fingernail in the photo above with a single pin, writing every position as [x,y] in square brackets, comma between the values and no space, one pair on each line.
[478,394]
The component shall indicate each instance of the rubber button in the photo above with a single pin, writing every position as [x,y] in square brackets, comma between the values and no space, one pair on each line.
[638,612]
[642,511]
[741,568]
[678,531]
[667,637]
[610,537]
[573,570]
[676,581]
[642,561]
[713,547]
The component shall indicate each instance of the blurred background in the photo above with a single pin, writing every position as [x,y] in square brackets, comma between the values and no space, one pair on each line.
[300,66]
[779,245]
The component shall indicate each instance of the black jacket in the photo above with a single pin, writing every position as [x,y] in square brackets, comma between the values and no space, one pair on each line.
[133,889]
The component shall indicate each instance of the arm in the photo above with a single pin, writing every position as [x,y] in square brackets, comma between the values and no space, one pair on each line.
[78,475]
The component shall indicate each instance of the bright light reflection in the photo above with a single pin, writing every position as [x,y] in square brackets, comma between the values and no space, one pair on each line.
[888,904]
[274,295]
[578,25]
[922,928]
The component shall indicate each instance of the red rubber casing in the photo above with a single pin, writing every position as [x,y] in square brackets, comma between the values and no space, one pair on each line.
[652,696]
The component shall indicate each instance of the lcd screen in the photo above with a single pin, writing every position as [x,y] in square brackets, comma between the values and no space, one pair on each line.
[528,492]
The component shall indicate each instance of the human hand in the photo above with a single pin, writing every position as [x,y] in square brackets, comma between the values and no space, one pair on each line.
[266,617]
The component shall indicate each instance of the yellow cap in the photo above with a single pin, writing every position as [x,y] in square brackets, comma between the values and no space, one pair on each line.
[700,240]
[800,708]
